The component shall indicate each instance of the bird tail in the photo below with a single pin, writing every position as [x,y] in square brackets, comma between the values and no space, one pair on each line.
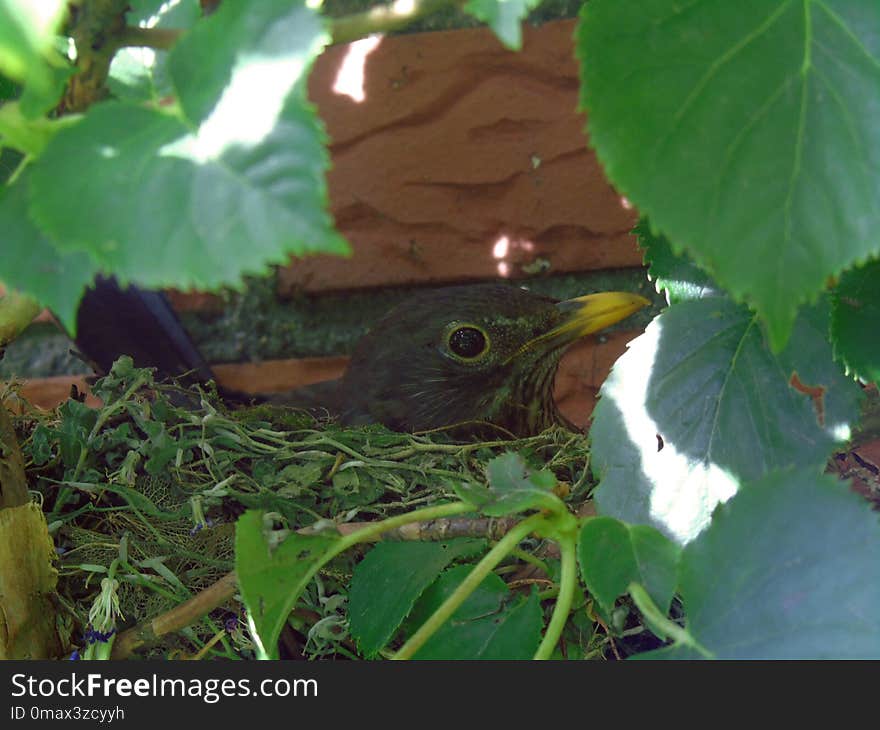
[114,321]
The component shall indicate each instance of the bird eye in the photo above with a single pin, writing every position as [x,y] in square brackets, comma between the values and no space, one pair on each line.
[468,342]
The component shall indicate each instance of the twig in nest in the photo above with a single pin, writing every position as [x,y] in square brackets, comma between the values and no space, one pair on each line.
[177,618]
[149,632]
[436,530]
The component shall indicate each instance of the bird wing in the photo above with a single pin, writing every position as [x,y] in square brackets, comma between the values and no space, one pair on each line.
[320,398]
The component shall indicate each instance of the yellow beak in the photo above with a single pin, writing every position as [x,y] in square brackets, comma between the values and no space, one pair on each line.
[595,312]
[585,315]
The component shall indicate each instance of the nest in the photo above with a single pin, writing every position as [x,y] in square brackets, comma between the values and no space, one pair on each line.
[155,478]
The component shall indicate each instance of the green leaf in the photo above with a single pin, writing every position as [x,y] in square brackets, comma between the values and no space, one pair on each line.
[487,598]
[28,135]
[38,100]
[746,132]
[699,404]
[504,17]
[657,559]
[855,321]
[488,625]
[40,446]
[612,555]
[77,421]
[168,204]
[245,56]
[387,582]
[32,264]
[141,74]
[154,216]
[675,274]
[8,89]
[27,35]
[788,569]
[159,448]
[272,577]
[513,487]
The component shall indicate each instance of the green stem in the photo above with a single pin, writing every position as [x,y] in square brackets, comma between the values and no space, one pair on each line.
[106,413]
[527,557]
[469,584]
[205,601]
[567,587]
[103,416]
[661,625]
[161,39]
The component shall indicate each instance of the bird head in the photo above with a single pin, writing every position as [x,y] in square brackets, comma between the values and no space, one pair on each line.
[471,354]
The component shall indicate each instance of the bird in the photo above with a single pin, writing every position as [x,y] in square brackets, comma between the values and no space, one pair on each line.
[461,358]
[464,357]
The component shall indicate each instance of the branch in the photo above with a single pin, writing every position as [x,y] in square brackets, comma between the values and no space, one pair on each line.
[348,28]
[177,618]
[162,39]
[501,549]
[93,27]
[444,528]
[384,18]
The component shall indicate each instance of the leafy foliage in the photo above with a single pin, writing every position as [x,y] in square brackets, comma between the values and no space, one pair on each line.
[56,279]
[512,488]
[788,569]
[744,132]
[387,582]
[263,562]
[613,555]
[141,74]
[503,16]
[703,112]
[27,42]
[855,320]
[699,404]
[224,182]
[229,193]
[490,624]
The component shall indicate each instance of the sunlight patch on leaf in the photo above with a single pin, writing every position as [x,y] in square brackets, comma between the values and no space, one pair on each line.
[788,569]
[704,380]
[227,182]
[247,112]
[27,29]
[140,73]
[684,489]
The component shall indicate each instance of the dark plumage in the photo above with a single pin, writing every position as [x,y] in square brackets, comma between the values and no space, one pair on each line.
[465,355]
[114,320]
[458,356]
